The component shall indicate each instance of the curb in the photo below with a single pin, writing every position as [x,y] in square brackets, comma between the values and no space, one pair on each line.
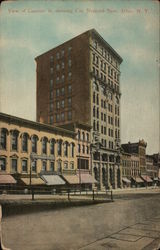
[11,208]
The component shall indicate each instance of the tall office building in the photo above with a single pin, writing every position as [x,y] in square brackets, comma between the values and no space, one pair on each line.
[79,81]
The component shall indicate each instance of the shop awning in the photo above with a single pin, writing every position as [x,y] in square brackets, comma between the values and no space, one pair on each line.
[7,179]
[71,179]
[137,179]
[34,181]
[126,180]
[53,180]
[156,179]
[146,178]
[86,178]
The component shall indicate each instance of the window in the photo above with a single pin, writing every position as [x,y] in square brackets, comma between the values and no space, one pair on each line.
[69,115]
[62,53]
[57,79]
[34,144]
[57,55]
[69,49]
[87,137]
[65,165]
[101,103]
[69,102]
[51,58]
[14,165]
[105,130]
[66,149]
[83,149]
[24,142]
[57,117]
[87,149]
[62,65]
[105,117]
[69,89]
[79,148]
[69,74]
[57,67]
[34,166]
[57,104]
[52,145]
[14,140]
[51,83]
[72,149]
[57,92]
[94,125]
[59,148]
[51,70]
[69,63]
[59,168]
[102,129]
[83,136]
[94,97]
[51,166]
[71,165]
[79,135]
[97,99]
[62,116]
[51,95]
[97,126]
[2,164]
[97,60]
[51,107]
[62,78]
[95,44]
[24,166]
[62,104]
[3,139]
[44,146]
[93,57]
[97,112]
[44,165]
[51,119]
[62,91]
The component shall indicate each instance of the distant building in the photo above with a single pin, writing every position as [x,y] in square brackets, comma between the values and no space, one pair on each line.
[79,82]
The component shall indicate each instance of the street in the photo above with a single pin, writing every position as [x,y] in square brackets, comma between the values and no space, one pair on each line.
[132,222]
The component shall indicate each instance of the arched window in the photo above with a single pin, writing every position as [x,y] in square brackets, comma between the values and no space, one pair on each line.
[83,136]
[25,142]
[59,147]
[79,135]
[72,149]
[3,139]
[44,145]
[34,140]
[14,140]
[66,149]
[52,146]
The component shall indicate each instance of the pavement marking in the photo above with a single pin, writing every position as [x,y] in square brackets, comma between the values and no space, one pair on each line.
[137,236]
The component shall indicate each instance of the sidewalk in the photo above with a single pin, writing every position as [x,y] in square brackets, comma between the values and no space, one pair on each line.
[141,236]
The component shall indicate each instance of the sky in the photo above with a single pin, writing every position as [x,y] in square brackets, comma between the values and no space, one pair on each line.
[131,27]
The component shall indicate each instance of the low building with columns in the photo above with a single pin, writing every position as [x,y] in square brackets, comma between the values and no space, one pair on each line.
[34,148]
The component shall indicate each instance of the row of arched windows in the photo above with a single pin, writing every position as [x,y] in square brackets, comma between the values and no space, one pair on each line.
[65,146]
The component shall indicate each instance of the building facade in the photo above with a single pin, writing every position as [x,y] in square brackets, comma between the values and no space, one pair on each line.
[79,81]
[21,140]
